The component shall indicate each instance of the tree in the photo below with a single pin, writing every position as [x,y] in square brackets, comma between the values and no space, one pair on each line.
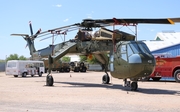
[15,57]
[90,59]
[22,58]
[66,59]
[83,58]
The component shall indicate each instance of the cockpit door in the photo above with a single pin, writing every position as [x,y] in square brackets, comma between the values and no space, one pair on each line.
[121,60]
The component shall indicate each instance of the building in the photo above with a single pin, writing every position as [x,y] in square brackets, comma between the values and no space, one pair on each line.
[166,43]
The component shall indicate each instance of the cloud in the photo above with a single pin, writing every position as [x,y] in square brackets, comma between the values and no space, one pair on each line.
[66,20]
[58,5]
[152,30]
[90,14]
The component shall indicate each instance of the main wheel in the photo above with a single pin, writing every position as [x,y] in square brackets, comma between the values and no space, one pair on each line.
[49,80]
[105,79]
[177,75]
[134,86]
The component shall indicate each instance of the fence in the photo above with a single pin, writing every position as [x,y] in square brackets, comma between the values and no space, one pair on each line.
[2,67]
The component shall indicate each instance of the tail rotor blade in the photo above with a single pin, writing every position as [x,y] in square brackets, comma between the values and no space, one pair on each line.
[26,45]
[31,30]
[39,31]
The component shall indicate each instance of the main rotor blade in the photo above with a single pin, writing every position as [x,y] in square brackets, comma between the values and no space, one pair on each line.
[133,21]
[53,30]
[60,33]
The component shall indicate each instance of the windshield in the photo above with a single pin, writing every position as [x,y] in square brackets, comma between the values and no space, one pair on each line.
[139,48]
[144,48]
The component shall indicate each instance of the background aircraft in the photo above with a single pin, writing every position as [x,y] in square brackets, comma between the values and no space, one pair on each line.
[127,58]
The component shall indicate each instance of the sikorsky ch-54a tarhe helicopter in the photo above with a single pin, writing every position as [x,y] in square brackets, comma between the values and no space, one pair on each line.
[127,58]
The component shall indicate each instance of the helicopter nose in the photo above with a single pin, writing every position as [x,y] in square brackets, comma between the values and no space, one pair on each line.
[135,58]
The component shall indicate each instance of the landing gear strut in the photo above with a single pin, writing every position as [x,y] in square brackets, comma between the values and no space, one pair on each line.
[132,84]
[49,77]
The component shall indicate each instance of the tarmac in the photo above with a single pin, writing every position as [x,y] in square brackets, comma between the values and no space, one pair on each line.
[84,92]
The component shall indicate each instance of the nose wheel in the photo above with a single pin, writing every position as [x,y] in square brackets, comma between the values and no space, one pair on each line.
[133,85]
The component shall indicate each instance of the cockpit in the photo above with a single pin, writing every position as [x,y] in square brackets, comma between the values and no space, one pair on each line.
[130,51]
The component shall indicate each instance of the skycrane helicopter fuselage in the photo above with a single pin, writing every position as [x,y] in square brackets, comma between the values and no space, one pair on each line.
[126,57]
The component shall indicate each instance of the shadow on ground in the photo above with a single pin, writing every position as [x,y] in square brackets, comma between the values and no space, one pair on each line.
[116,86]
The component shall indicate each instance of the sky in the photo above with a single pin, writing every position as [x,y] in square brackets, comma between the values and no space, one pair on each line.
[49,14]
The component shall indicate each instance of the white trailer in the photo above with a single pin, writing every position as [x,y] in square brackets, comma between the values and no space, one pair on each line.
[24,67]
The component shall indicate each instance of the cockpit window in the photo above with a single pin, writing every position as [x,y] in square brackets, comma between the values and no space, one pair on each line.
[123,48]
[139,48]
[135,48]
[123,52]
[144,48]
[129,50]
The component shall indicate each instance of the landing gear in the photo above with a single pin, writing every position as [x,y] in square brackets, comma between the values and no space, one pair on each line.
[49,80]
[132,84]
[105,79]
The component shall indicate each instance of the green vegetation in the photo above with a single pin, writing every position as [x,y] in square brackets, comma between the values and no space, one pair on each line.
[93,60]
[83,58]
[2,61]
[66,59]
[16,57]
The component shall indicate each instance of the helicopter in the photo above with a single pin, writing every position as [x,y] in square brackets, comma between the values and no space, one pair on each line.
[127,58]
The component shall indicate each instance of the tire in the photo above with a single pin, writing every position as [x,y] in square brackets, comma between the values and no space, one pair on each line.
[156,78]
[83,69]
[15,75]
[46,69]
[177,75]
[76,69]
[24,74]
[67,69]
[61,70]
[40,74]
[105,79]
[134,86]
[81,64]
[49,80]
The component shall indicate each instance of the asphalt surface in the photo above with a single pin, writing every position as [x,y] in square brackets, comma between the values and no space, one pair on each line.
[79,92]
